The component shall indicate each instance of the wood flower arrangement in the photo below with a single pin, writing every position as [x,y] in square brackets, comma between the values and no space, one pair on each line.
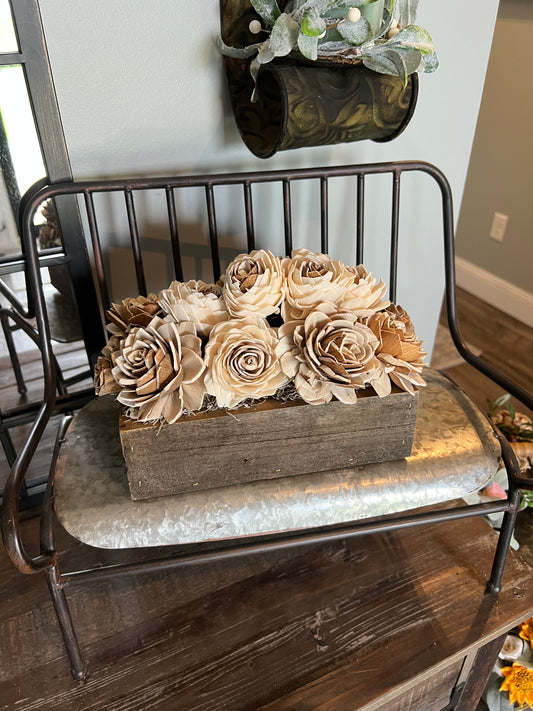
[216,380]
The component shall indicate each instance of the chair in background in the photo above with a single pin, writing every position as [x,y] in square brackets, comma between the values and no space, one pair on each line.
[102,505]
[17,316]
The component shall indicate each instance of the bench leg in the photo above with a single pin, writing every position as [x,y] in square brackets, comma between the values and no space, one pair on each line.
[504,540]
[78,666]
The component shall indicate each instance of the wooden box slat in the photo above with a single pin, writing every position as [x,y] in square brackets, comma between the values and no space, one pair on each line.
[268,440]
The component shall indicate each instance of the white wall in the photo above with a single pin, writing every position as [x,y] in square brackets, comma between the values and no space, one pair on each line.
[140,89]
[499,175]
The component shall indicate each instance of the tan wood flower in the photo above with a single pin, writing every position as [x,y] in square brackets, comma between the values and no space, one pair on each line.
[254,284]
[104,382]
[363,295]
[160,371]
[133,311]
[330,354]
[242,362]
[195,301]
[400,353]
[311,278]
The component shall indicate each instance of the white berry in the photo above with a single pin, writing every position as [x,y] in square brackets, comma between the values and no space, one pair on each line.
[354,14]
[255,27]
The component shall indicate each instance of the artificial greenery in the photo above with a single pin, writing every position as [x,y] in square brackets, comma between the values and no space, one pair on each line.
[380,33]
[515,427]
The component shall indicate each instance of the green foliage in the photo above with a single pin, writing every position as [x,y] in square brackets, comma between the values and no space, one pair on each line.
[308,46]
[312,24]
[268,10]
[355,32]
[320,28]
[284,35]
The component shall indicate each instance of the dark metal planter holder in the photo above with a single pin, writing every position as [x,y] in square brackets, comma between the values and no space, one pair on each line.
[303,103]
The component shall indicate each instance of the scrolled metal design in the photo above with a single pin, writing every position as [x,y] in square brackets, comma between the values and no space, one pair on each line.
[300,103]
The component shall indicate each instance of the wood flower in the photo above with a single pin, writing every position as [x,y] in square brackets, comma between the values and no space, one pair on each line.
[363,296]
[330,354]
[104,382]
[194,301]
[242,362]
[160,371]
[133,311]
[311,278]
[254,284]
[399,351]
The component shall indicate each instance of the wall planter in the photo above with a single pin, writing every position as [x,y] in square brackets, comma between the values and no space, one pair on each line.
[293,101]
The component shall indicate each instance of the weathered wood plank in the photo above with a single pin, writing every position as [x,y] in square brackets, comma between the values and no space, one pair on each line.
[328,627]
[268,440]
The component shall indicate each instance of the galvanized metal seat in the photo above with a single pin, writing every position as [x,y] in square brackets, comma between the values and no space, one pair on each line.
[455,452]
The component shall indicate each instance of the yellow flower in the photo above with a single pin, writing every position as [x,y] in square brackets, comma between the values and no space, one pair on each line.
[518,681]
[526,630]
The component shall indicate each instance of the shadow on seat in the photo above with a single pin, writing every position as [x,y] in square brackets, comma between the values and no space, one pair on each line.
[456,450]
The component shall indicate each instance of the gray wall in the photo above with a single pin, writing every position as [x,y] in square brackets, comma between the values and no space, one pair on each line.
[500,175]
[140,89]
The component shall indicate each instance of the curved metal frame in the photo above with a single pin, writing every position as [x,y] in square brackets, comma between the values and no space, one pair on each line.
[46,560]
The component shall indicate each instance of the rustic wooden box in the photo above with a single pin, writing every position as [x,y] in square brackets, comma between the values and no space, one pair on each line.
[269,440]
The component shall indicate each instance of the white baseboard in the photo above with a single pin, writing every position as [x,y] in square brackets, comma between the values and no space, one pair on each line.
[504,296]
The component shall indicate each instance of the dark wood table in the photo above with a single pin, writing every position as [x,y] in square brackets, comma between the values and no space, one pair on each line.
[395,622]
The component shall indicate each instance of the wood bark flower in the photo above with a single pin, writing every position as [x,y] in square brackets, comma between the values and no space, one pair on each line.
[330,354]
[160,371]
[399,351]
[133,311]
[363,296]
[254,284]
[312,278]
[242,362]
[194,301]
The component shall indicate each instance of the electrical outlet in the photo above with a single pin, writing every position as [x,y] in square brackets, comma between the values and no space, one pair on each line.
[499,223]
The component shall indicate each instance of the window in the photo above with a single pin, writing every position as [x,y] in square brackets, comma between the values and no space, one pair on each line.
[31,140]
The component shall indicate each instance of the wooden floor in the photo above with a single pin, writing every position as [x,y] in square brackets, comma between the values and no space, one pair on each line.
[143,634]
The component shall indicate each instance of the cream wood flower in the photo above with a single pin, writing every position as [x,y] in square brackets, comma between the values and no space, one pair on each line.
[512,648]
[160,371]
[311,278]
[133,311]
[400,352]
[104,382]
[254,284]
[194,301]
[330,354]
[363,296]
[242,362]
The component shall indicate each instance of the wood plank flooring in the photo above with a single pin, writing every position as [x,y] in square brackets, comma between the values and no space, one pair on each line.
[144,635]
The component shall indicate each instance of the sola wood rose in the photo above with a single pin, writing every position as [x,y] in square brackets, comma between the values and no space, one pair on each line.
[329,354]
[254,284]
[399,351]
[104,382]
[194,301]
[133,311]
[242,362]
[158,369]
[363,296]
[312,278]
